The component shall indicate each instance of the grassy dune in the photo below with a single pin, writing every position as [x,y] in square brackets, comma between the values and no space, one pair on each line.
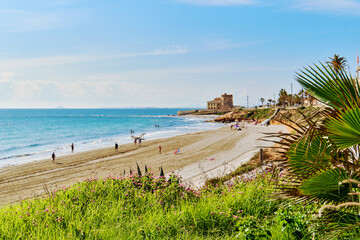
[148,207]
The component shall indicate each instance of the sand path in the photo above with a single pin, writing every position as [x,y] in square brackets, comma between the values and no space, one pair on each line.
[233,148]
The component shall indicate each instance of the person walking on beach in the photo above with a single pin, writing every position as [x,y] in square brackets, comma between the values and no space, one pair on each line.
[72,147]
[116,147]
[135,140]
[139,141]
[53,157]
[159,149]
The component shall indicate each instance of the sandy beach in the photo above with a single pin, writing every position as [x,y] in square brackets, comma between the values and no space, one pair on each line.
[214,152]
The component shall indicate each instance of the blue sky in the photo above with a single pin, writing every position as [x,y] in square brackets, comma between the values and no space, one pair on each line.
[165,53]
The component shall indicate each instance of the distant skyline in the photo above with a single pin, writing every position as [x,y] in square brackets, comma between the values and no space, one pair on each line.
[165,53]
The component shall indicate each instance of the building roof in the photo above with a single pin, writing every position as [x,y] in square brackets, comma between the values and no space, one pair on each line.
[215,101]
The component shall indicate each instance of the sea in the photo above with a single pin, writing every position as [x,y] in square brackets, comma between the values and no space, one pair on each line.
[33,134]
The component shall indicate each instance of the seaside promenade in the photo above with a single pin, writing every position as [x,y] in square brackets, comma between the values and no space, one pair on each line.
[213,153]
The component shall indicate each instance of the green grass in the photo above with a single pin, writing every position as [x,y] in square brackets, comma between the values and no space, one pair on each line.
[150,207]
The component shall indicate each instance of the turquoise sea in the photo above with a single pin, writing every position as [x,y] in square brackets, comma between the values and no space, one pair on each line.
[33,134]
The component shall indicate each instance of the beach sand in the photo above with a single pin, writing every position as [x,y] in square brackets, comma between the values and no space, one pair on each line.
[214,152]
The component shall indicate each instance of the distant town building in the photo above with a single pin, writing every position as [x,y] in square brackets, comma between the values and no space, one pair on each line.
[223,103]
[312,102]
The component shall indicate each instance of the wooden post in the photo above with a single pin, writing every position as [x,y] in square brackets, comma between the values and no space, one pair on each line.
[261,156]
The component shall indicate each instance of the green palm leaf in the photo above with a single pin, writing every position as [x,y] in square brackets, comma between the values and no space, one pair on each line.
[309,156]
[337,89]
[344,130]
[325,185]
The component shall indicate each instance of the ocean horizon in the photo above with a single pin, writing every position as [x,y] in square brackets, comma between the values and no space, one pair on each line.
[33,134]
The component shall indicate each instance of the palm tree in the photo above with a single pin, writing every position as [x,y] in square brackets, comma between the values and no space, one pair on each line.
[301,95]
[270,101]
[296,99]
[337,63]
[283,97]
[323,157]
[274,102]
[262,100]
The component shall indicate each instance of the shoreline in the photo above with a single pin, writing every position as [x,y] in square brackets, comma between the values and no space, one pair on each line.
[28,180]
[95,144]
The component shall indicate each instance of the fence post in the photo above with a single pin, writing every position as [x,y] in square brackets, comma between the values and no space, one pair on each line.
[261,156]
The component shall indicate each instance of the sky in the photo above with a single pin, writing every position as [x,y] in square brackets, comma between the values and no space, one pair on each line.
[165,53]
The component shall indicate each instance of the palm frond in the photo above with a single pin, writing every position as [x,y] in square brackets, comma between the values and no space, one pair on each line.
[309,156]
[325,185]
[338,90]
[344,130]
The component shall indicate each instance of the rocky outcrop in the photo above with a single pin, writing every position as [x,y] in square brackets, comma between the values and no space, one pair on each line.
[231,117]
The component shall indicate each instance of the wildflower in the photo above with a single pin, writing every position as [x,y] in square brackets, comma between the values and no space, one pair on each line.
[211,213]
[236,217]
[46,210]
[221,213]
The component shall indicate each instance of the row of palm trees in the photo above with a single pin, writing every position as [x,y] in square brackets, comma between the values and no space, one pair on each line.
[336,62]
[286,99]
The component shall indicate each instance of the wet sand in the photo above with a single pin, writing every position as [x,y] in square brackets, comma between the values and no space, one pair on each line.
[204,151]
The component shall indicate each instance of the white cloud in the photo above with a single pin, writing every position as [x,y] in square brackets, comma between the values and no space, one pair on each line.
[335,6]
[174,49]
[163,87]
[27,89]
[222,44]
[82,58]
[6,77]
[350,6]
[219,2]
[15,20]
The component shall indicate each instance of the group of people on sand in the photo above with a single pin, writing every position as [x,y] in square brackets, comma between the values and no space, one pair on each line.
[236,127]
[136,140]
[53,156]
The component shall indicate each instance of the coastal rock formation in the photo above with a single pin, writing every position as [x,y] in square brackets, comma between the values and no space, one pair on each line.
[228,117]
[232,116]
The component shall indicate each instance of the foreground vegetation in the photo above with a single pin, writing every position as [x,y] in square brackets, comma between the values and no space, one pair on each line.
[322,156]
[148,207]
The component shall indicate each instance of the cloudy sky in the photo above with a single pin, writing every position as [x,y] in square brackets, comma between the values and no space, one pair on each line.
[165,53]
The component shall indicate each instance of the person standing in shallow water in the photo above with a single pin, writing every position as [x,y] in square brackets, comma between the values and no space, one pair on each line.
[53,157]
[116,147]
[159,149]
[72,147]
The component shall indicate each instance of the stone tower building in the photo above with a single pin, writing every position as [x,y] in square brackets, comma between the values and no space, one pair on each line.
[223,103]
